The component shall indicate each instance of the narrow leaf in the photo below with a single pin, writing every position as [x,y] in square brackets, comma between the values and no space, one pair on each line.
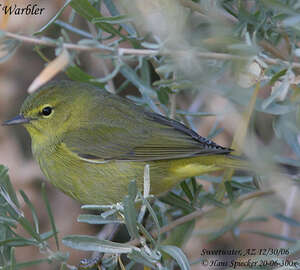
[91,243]
[6,183]
[229,190]
[173,199]
[53,19]
[52,222]
[130,217]
[32,209]
[178,255]
[87,11]
[145,90]
[96,219]
[187,190]
[77,74]
[7,48]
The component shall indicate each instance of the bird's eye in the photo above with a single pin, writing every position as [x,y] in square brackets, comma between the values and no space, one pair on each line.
[47,111]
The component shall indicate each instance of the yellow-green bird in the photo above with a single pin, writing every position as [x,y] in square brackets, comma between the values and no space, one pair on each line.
[91,144]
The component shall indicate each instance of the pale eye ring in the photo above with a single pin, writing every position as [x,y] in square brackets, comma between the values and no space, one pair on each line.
[47,111]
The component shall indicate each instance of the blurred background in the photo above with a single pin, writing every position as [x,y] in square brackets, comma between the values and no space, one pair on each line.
[205,92]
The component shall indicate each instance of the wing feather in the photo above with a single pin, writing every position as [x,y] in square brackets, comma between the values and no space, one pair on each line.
[135,135]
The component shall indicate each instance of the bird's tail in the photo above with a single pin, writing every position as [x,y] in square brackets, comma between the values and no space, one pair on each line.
[242,163]
[235,162]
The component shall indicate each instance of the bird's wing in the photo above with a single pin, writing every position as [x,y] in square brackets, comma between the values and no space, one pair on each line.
[136,135]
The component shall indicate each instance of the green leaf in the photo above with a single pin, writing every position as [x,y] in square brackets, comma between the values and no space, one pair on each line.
[242,186]
[7,48]
[130,215]
[29,228]
[163,95]
[200,114]
[96,206]
[53,19]
[87,11]
[145,90]
[47,235]
[112,20]
[5,182]
[178,256]
[152,213]
[52,222]
[18,242]
[145,72]
[77,74]
[8,221]
[187,190]
[25,264]
[114,12]
[130,212]
[73,29]
[173,199]
[91,243]
[96,219]
[142,258]
[195,186]
[277,76]
[276,93]
[132,190]
[12,259]
[32,209]
[146,234]
[229,190]
[210,198]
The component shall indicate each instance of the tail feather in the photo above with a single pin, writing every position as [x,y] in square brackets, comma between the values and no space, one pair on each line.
[235,162]
[242,163]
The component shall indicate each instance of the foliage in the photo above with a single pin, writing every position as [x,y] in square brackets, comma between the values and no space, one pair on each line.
[228,48]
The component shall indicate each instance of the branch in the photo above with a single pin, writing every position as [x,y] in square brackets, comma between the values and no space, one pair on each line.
[145,52]
[49,43]
[198,214]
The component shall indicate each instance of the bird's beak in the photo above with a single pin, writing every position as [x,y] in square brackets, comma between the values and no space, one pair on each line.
[20,119]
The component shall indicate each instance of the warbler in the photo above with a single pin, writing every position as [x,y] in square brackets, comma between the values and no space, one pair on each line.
[91,144]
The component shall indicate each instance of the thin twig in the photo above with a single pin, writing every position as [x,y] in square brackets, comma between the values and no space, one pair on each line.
[130,51]
[50,43]
[145,52]
[200,213]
